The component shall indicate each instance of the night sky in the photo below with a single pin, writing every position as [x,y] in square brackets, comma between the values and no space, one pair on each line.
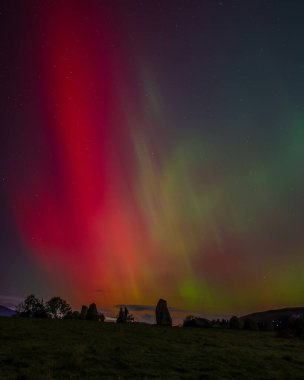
[153,149]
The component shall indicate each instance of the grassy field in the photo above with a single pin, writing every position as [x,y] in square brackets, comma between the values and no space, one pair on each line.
[48,349]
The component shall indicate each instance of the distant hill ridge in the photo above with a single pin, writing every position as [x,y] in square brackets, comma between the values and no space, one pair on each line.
[260,316]
[6,312]
[276,314]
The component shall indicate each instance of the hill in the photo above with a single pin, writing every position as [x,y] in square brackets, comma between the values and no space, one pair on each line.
[6,312]
[275,315]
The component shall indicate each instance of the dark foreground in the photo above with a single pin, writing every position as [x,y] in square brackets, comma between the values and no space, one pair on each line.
[48,349]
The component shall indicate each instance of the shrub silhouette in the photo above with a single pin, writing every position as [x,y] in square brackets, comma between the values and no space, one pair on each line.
[192,321]
[299,327]
[130,318]
[266,326]
[250,324]
[235,323]
[75,315]
[296,325]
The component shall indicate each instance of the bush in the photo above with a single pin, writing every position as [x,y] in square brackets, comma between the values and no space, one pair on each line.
[265,326]
[235,323]
[296,324]
[250,324]
[191,321]
[75,315]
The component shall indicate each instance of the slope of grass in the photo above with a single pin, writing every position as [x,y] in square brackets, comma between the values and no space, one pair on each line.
[48,349]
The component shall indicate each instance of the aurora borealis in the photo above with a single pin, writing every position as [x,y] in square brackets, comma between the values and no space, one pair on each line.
[153,149]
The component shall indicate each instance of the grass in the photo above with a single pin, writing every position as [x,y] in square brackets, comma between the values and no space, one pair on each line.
[67,349]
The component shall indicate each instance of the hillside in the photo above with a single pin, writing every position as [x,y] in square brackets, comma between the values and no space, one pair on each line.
[6,312]
[278,314]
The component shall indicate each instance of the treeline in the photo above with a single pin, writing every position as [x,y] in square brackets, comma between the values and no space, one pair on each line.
[56,308]
[288,326]
[234,323]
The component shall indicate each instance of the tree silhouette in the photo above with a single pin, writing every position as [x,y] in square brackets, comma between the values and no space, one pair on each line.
[32,307]
[58,308]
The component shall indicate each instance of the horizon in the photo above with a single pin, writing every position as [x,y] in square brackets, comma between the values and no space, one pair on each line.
[146,313]
[153,149]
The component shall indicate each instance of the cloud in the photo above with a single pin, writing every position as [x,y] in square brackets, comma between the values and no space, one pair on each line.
[10,301]
[146,313]
[149,308]
[137,307]
[177,310]
[146,318]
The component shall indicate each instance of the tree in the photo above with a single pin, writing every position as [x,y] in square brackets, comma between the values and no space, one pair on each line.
[32,307]
[122,317]
[57,308]
[92,314]
[130,318]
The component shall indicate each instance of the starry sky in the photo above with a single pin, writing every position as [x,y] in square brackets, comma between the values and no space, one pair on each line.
[153,149]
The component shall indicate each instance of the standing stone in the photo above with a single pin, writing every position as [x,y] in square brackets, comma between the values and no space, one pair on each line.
[162,314]
[92,314]
[84,311]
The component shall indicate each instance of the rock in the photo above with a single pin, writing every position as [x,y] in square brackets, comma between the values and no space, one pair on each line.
[92,314]
[162,314]
[84,311]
